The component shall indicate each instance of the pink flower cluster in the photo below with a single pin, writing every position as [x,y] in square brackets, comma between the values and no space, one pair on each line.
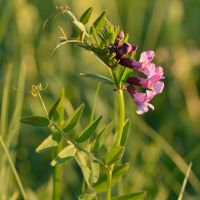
[153,74]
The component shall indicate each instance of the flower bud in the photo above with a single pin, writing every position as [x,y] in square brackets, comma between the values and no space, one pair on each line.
[119,39]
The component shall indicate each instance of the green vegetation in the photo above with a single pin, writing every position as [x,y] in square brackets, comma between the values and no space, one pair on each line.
[161,143]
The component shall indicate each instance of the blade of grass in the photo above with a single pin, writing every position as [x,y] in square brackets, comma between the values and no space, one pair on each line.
[13,168]
[156,21]
[169,150]
[185,182]
[5,100]
[3,129]
[15,120]
[14,124]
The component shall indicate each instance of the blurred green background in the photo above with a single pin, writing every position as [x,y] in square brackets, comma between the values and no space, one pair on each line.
[161,143]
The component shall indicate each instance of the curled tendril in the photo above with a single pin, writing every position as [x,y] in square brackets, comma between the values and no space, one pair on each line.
[60,10]
[36,89]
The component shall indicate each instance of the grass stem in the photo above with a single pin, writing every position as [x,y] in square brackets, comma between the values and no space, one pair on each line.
[13,168]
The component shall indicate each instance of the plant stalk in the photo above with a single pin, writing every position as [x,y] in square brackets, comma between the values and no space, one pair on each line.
[57,168]
[57,176]
[109,183]
[120,99]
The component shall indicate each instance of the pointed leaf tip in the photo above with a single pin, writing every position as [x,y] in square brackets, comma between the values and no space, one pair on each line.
[74,118]
[114,155]
[86,16]
[50,142]
[89,130]
[125,132]
[100,20]
[65,154]
[53,108]
[102,137]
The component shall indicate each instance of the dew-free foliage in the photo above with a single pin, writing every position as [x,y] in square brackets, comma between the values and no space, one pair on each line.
[98,149]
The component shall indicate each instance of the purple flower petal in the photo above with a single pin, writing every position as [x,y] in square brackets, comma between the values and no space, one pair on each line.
[130,63]
[125,49]
[152,83]
[141,99]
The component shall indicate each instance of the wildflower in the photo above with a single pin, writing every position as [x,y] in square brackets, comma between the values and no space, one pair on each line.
[143,65]
[154,74]
[141,99]
[152,82]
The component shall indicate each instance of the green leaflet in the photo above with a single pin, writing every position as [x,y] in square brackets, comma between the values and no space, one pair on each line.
[102,136]
[59,113]
[131,196]
[94,171]
[88,131]
[99,22]
[72,121]
[84,163]
[37,121]
[118,172]
[50,142]
[53,108]
[65,154]
[125,132]
[89,168]
[99,78]
[86,16]
[114,155]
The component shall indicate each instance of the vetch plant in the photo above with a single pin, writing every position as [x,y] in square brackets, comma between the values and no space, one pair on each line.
[142,79]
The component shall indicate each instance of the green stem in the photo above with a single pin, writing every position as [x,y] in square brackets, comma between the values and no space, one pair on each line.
[57,176]
[120,98]
[109,183]
[57,168]
[43,105]
[13,168]
[120,127]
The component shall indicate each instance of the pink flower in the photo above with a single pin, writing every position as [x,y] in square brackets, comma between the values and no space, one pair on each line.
[153,83]
[144,65]
[141,99]
[146,56]
[153,74]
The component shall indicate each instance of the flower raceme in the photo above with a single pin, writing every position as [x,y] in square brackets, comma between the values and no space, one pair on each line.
[154,74]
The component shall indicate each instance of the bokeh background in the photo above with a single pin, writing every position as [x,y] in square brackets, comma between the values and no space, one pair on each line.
[161,143]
